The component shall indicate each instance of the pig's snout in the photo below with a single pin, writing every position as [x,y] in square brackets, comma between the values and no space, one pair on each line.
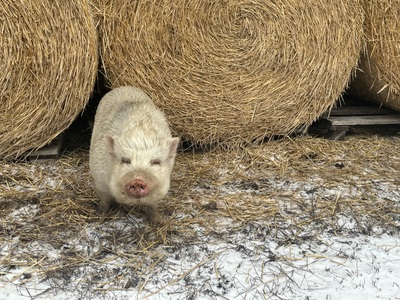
[137,188]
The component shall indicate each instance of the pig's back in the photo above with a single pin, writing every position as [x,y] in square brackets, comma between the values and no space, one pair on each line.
[115,105]
[127,112]
[119,107]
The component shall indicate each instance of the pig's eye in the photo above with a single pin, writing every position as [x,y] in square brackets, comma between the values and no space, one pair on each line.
[155,162]
[125,160]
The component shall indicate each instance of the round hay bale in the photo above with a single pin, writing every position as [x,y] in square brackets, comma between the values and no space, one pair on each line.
[378,79]
[48,63]
[233,72]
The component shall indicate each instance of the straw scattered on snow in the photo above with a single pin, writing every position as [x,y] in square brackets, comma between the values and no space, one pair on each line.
[296,189]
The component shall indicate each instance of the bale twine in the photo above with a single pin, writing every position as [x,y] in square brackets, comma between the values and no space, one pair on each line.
[48,63]
[232,72]
[378,79]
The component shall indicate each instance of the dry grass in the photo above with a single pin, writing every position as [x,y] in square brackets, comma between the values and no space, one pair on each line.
[379,77]
[231,72]
[296,189]
[48,62]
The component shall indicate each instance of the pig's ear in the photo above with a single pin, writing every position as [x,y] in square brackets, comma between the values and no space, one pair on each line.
[110,145]
[173,146]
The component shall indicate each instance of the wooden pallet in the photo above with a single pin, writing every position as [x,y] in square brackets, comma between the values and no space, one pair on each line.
[47,153]
[341,119]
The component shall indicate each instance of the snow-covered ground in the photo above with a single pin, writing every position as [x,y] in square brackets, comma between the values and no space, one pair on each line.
[239,266]
[325,230]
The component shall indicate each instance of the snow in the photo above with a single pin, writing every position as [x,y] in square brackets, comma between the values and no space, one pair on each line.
[247,264]
[341,255]
[365,269]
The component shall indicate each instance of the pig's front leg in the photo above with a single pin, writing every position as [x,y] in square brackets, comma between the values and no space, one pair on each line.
[152,214]
[106,200]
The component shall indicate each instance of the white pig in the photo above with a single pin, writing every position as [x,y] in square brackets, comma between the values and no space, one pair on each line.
[132,151]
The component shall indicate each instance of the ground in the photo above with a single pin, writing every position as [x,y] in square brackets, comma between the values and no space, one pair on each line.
[294,218]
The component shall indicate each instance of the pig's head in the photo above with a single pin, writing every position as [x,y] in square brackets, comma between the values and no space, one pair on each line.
[141,169]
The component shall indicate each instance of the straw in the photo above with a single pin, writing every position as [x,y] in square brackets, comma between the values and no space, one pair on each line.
[232,72]
[378,79]
[48,65]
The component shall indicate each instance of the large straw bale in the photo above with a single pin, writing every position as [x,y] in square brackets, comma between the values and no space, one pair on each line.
[233,72]
[378,79]
[48,63]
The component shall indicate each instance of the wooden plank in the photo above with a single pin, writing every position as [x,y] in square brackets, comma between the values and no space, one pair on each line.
[338,135]
[356,113]
[364,120]
[360,111]
[47,153]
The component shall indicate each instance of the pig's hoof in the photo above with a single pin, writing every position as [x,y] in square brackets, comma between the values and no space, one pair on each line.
[104,207]
[153,216]
[155,219]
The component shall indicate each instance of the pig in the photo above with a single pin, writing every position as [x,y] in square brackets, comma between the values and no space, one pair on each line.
[132,152]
